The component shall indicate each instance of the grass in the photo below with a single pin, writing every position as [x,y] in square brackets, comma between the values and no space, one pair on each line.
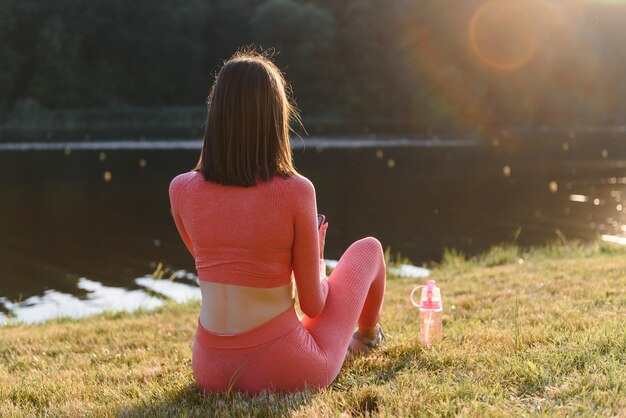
[535,331]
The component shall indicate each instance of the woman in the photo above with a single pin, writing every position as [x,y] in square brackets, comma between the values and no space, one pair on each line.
[250,220]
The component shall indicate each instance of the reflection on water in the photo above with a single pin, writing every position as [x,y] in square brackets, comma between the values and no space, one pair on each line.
[100,298]
[578,198]
[403,270]
[178,292]
[614,239]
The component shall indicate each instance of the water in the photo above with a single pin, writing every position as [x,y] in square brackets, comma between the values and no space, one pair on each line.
[76,216]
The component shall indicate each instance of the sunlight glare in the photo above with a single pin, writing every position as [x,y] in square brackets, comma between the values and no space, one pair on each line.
[614,239]
[553,186]
[503,35]
[608,2]
[578,198]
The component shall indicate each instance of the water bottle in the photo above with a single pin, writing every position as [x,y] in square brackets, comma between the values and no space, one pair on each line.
[431,313]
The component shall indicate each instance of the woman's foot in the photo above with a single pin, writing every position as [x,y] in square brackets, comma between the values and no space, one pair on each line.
[363,343]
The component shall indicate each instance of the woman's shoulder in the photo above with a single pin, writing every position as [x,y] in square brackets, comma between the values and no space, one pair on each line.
[299,184]
[180,180]
[299,191]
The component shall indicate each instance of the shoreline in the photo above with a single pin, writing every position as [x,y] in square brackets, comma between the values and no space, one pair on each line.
[315,142]
[155,290]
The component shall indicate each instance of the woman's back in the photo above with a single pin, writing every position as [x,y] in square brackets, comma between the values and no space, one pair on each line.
[242,239]
[232,309]
[241,235]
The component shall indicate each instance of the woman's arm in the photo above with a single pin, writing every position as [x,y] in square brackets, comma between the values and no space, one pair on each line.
[312,292]
[173,192]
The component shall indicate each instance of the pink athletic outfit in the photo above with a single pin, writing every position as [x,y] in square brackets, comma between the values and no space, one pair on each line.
[257,236]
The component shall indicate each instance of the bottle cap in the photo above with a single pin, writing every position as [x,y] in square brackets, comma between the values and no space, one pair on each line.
[431,296]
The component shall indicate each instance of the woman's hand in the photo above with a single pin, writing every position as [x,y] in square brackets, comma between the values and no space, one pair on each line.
[322,238]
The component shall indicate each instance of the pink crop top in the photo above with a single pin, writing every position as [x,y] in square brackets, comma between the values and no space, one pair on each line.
[252,236]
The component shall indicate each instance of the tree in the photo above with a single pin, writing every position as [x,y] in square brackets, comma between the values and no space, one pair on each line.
[55,58]
[305,36]
[9,56]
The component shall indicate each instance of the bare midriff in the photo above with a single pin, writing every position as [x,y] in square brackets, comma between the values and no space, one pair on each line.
[233,309]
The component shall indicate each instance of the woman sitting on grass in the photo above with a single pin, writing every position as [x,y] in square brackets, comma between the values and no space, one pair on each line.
[250,220]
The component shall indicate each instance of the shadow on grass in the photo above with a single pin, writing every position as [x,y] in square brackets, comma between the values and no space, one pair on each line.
[356,383]
[383,366]
[189,401]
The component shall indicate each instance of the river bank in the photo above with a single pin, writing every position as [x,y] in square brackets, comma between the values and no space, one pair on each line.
[526,331]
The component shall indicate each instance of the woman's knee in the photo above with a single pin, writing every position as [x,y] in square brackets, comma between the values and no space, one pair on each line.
[369,250]
[363,256]
[369,245]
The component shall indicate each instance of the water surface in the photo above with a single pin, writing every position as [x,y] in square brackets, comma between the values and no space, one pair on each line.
[79,220]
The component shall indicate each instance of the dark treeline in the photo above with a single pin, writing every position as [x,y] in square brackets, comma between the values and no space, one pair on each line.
[405,61]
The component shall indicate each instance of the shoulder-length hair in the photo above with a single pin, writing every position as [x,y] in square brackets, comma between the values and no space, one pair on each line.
[247,130]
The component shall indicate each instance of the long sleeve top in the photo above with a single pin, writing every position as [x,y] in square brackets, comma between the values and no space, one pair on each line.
[252,236]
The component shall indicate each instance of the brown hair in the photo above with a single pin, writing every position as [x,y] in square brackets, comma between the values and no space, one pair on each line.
[247,128]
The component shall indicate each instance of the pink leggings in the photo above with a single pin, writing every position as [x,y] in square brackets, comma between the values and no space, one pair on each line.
[286,354]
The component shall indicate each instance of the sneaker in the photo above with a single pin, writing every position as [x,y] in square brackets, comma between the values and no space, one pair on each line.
[360,344]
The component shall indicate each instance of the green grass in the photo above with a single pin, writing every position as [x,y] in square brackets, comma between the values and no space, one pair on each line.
[526,331]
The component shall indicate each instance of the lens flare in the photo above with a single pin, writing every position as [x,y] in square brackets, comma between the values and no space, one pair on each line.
[553,186]
[503,35]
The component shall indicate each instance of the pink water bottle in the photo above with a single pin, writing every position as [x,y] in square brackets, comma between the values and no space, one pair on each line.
[431,313]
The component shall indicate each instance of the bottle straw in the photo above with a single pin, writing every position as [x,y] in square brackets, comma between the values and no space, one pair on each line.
[430,317]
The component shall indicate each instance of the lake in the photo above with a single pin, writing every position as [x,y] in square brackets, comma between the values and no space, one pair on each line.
[90,221]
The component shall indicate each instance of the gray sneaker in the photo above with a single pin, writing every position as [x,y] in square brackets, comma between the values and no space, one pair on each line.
[360,344]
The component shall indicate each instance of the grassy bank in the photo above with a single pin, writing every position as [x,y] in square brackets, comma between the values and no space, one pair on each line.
[526,332]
